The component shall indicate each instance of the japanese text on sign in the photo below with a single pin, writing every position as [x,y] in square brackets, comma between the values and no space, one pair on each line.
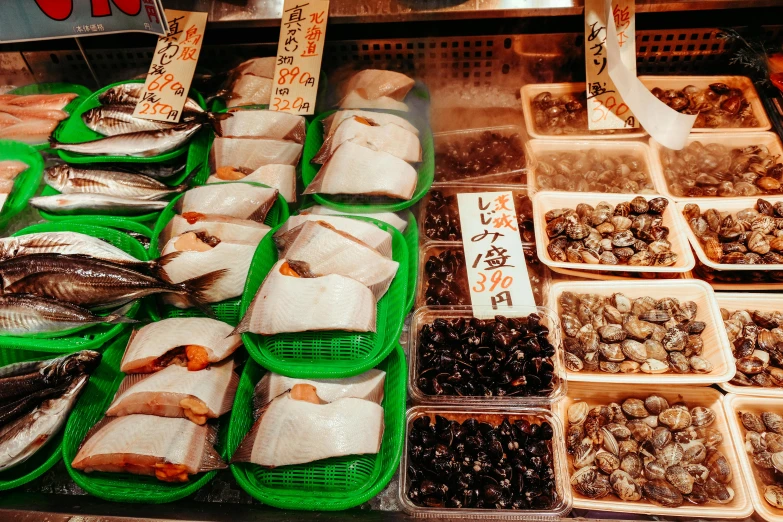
[299,53]
[173,64]
[605,106]
[497,272]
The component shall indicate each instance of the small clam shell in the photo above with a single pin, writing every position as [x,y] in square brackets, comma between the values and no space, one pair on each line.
[661,437]
[643,304]
[718,492]
[655,350]
[607,462]
[774,496]
[661,493]
[624,486]
[573,363]
[675,418]
[584,455]
[654,470]
[680,479]
[655,404]
[632,464]
[752,422]
[638,329]
[675,340]
[777,461]
[621,303]
[773,441]
[773,422]
[635,408]
[655,316]
[678,362]
[640,430]
[574,435]
[708,436]
[695,453]
[634,350]
[700,364]
[577,412]
[571,324]
[651,421]
[670,454]
[619,431]
[612,333]
[609,366]
[654,366]
[719,466]
[610,443]
[612,315]
[763,459]
[702,417]
[630,367]
[628,446]
[588,481]
[755,443]
[699,472]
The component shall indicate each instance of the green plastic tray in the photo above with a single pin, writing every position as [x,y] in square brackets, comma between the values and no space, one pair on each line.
[329,484]
[45,457]
[346,203]
[120,487]
[84,337]
[411,236]
[26,183]
[55,88]
[330,354]
[75,131]
[227,311]
[119,223]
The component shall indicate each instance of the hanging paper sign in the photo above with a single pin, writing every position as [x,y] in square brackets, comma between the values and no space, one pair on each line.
[46,19]
[173,64]
[299,53]
[606,108]
[497,272]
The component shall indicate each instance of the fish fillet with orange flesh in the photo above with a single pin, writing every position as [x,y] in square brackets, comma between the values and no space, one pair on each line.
[43,101]
[198,257]
[6,120]
[287,303]
[377,83]
[170,449]
[238,200]
[195,341]
[386,138]
[9,169]
[332,122]
[34,112]
[365,232]
[367,386]
[281,177]
[294,430]
[223,227]
[320,250]
[250,89]
[32,131]
[175,391]
[390,218]
[263,124]
[358,170]
[251,153]
[356,100]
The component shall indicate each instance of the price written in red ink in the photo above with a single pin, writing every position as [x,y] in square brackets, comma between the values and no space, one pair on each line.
[496,279]
[601,108]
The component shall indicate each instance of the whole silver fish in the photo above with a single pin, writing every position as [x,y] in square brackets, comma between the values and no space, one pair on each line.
[26,314]
[68,179]
[152,170]
[73,243]
[22,438]
[130,94]
[95,204]
[111,120]
[137,144]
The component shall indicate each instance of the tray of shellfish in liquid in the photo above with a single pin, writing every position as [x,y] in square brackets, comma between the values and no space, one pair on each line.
[484,155]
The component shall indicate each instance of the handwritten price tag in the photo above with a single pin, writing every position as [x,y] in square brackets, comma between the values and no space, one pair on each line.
[173,64]
[605,106]
[299,54]
[497,272]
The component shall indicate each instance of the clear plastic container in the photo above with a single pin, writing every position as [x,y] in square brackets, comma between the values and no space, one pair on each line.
[494,416]
[427,315]
[522,203]
[489,172]
[538,150]
[537,272]
[717,348]
[739,507]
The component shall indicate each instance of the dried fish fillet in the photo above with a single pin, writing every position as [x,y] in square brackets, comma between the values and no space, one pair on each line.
[355,100]
[281,177]
[332,122]
[390,218]
[263,67]
[252,153]
[238,200]
[250,89]
[365,232]
[274,125]
[367,386]
[222,227]
[388,138]
[377,83]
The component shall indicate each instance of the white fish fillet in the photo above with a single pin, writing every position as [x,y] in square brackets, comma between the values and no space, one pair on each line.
[250,89]
[230,256]
[264,67]
[391,218]
[251,153]
[294,432]
[281,177]
[320,250]
[31,131]
[66,243]
[333,122]
[286,304]
[367,386]
[9,169]
[222,227]
[387,138]
[354,169]
[137,443]
[365,232]
[171,391]
[153,340]
[239,200]
[354,100]
[274,125]
[376,83]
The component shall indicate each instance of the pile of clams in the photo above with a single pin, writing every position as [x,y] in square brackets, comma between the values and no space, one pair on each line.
[757,344]
[564,115]
[477,464]
[617,334]
[593,171]
[630,233]
[489,153]
[648,449]
[752,236]
[717,106]
[764,442]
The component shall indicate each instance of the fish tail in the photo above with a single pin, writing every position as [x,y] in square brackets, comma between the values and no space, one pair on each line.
[185,185]
[161,262]
[53,143]
[197,287]
[214,119]
[243,326]
[119,316]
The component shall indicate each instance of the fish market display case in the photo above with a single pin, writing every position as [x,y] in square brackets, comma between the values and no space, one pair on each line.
[478,64]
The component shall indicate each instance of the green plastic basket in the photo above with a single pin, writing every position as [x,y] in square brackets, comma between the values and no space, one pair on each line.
[411,236]
[227,311]
[55,88]
[328,354]
[26,183]
[329,484]
[346,203]
[119,223]
[75,131]
[120,487]
[45,457]
[84,337]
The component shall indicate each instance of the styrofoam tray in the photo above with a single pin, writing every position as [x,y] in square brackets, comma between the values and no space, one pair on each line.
[548,200]
[728,139]
[739,507]
[732,205]
[738,82]
[717,349]
[734,404]
[531,90]
[537,148]
[749,301]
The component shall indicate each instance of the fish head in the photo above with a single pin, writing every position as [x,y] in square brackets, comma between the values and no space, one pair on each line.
[56,175]
[92,116]
[83,362]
